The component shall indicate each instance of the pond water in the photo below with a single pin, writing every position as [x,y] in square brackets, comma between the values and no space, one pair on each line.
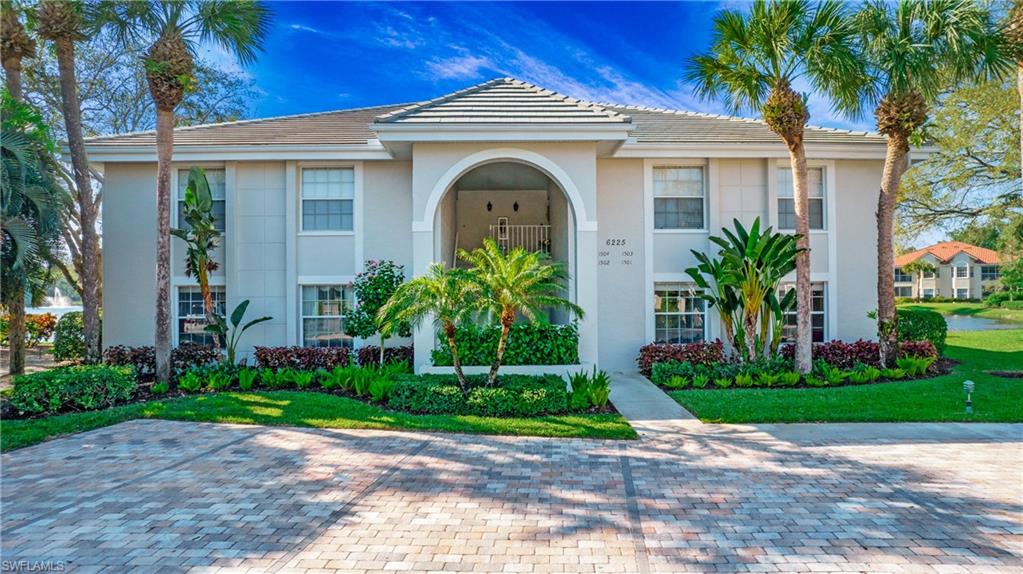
[970,323]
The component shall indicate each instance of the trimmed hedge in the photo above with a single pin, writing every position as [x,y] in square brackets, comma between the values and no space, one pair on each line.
[370,355]
[1014,305]
[696,353]
[847,355]
[302,358]
[514,396]
[528,344]
[143,359]
[79,388]
[69,337]
[923,325]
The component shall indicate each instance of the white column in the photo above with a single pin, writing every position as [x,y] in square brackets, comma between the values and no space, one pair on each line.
[586,290]
[422,256]
[291,251]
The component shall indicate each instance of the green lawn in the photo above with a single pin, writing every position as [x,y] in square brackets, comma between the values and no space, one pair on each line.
[938,399]
[971,309]
[306,409]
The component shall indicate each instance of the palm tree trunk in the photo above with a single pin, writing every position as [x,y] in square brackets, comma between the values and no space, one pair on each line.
[449,332]
[164,151]
[507,320]
[382,339]
[86,204]
[207,303]
[16,330]
[12,77]
[804,333]
[895,164]
[1019,88]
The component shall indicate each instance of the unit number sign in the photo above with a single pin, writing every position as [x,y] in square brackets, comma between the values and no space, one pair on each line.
[614,252]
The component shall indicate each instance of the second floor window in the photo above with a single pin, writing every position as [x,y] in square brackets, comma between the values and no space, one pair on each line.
[787,201]
[218,189]
[901,276]
[328,199]
[962,272]
[989,273]
[678,198]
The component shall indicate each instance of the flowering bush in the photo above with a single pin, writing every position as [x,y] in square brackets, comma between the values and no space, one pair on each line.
[695,353]
[303,358]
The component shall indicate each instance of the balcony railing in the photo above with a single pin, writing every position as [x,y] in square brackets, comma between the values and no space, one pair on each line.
[528,237]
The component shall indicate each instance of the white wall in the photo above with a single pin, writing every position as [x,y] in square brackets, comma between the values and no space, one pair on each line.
[855,290]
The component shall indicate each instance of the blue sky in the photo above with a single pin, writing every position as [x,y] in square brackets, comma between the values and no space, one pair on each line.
[333,55]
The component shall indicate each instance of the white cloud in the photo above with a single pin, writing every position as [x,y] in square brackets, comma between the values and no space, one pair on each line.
[467,67]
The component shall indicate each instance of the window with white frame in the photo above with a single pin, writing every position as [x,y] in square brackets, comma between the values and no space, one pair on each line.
[328,197]
[901,276]
[928,293]
[989,273]
[323,309]
[930,274]
[817,313]
[679,198]
[904,291]
[962,271]
[192,313]
[787,201]
[218,189]
[962,293]
[679,313]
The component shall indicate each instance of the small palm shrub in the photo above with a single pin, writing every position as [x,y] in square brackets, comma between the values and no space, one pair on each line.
[914,366]
[789,378]
[579,400]
[160,388]
[380,388]
[272,378]
[723,383]
[190,382]
[677,382]
[600,388]
[744,380]
[247,378]
[700,381]
[812,381]
[768,379]
[893,374]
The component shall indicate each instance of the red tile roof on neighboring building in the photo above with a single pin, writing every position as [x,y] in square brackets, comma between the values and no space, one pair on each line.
[946,250]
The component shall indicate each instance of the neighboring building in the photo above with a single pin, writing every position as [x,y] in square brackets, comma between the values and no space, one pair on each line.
[961,271]
[620,194]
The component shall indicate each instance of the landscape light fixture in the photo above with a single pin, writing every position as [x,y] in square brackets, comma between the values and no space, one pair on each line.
[968,387]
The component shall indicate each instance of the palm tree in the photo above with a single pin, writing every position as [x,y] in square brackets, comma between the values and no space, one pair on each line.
[914,50]
[15,46]
[200,239]
[176,28]
[448,295]
[1014,36]
[518,282]
[918,268]
[65,23]
[754,61]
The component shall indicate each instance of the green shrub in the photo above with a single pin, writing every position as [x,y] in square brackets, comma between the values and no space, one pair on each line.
[190,381]
[1014,305]
[362,378]
[160,388]
[864,374]
[700,381]
[893,374]
[380,389]
[744,380]
[514,395]
[69,337]
[273,379]
[600,388]
[723,383]
[247,378]
[789,378]
[923,325]
[302,379]
[580,397]
[833,375]
[812,381]
[768,379]
[79,388]
[677,382]
[528,344]
[219,380]
[914,366]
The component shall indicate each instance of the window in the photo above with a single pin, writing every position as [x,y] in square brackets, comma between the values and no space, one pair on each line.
[192,313]
[962,272]
[928,293]
[930,274]
[217,181]
[679,313]
[902,277]
[327,199]
[903,291]
[962,293]
[787,202]
[323,308]
[989,273]
[678,198]
[817,318]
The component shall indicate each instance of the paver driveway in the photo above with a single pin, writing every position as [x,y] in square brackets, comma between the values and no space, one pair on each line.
[148,494]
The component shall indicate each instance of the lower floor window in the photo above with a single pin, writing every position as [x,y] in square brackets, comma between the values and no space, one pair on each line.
[962,293]
[323,309]
[679,313]
[928,293]
[903,291]
[192,313]
[817,313]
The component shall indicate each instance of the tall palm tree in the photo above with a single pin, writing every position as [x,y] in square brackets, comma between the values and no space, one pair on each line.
[65,23]
[176,29]
[1014,36]
[914,50]
[518,282]
[753,63]
[448,295]
[15,46]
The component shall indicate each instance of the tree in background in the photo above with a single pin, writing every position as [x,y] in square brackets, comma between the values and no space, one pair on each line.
[913,50]
[64,24]
[200,237]
[974,173]
[373,288]
[753,62]
[15,47]
[175,29]
[1013,33]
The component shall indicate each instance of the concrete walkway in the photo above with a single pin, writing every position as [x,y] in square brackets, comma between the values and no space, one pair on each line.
[647,408]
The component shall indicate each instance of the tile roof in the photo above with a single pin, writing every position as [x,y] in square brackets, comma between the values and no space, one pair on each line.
[500,101]
[946,250]
[504,100]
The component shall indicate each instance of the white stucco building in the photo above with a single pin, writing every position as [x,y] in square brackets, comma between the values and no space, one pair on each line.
[959,271]
[620,194]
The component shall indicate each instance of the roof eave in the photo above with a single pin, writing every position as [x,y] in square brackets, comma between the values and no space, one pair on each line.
[147,152]
[510,131]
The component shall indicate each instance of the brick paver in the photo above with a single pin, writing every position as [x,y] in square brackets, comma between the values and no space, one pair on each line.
[170,496]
